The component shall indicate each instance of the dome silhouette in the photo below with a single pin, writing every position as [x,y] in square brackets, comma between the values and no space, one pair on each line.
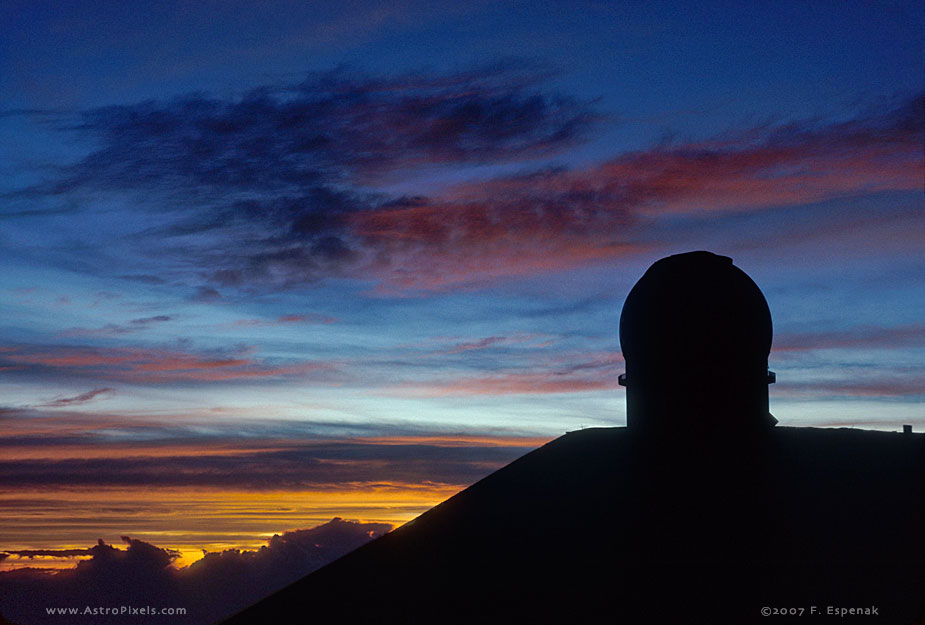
[696,332]
[698,512]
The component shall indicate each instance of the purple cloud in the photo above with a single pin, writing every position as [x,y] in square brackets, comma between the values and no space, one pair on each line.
[78,399]
[299,465]
[330,125]
[210,589]
[288,185]
[48,553]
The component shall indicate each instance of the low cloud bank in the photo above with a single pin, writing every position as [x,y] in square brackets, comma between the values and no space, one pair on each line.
[140,576]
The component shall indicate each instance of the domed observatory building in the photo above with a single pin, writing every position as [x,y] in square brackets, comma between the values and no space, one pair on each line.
[696,333]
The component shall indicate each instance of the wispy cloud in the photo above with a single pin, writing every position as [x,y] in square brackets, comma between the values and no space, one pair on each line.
[521,340]
[873,386]
[291,137]
[301,465]
[112,329]
[795,163]
[557,219]
[912,335]
[49,553]
[78,399]
[65,448]
[147,365]
[591,373]
[285,320]
[281,169]
[288,185]
[514,384]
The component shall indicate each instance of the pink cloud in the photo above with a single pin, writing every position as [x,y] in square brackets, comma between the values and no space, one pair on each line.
[287,319]
[435,247]
[523,339]
[139,365]
[79,399]
[557,220]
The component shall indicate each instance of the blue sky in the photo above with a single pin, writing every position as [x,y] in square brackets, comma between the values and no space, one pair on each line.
[407,232]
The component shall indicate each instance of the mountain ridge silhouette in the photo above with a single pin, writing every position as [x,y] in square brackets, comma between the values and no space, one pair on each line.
[598,524]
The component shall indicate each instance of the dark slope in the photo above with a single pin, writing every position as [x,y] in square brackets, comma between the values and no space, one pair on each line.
[602,526]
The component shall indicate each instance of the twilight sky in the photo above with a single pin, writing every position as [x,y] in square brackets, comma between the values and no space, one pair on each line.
[262,268]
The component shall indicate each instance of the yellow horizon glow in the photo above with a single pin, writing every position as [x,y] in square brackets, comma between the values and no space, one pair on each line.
[192,520]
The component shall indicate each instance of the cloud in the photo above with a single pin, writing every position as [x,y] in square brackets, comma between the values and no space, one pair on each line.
[141,573]
[286,319]
[293,136]
[256,189]
[143,278]
[56,435]
[598,372]
[299,467]
[558,219]
[210,589]
[305,319]
[880,387]
[107,450]
[79,399]
[223,576]
[207,294]
[49,553]
[112,329]
[523,339]
[474,345]
[514,229]
[291,184]
[795,163]
[147,365]
[149,320]
[517,384]
[912,335]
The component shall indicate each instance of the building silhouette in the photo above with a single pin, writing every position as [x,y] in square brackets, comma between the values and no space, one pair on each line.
[701,510]
[696,333]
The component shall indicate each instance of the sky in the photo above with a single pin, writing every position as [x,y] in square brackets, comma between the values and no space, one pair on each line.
[265,268]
